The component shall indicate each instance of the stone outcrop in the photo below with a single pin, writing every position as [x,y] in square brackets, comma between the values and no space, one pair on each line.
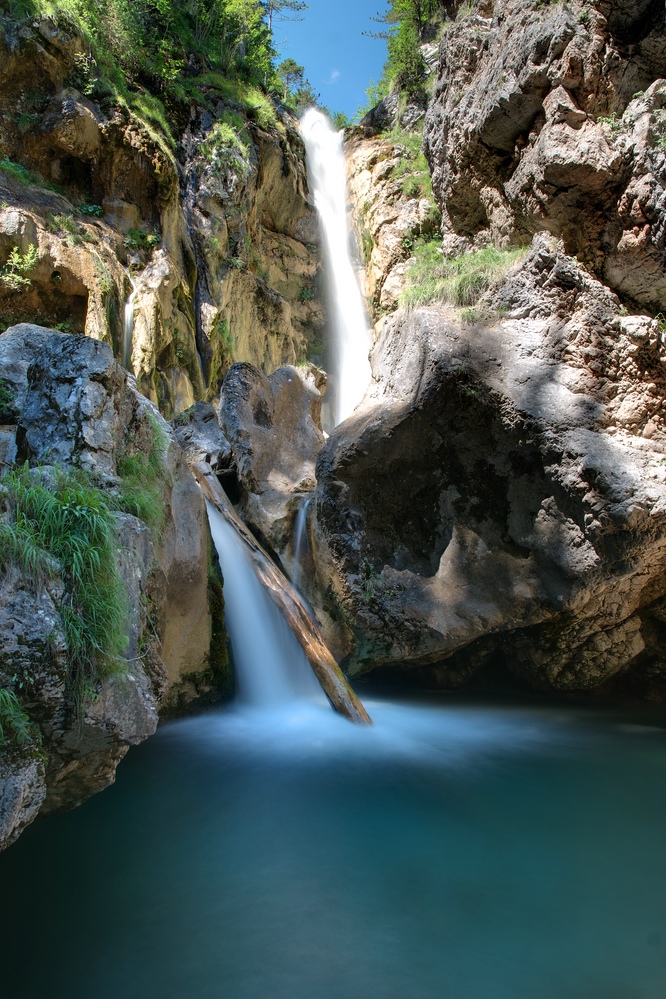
[273,425]
[390,214]
[69,404]
[221,247]
[501,493]
[552,118]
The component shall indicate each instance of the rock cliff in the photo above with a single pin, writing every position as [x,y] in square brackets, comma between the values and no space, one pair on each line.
[215,231]
[497,502]
[104,582]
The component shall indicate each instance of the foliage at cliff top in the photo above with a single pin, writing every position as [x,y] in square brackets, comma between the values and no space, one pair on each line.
[162,52]
[407,25]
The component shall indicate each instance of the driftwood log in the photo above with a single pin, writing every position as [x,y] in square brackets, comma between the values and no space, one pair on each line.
[287,599]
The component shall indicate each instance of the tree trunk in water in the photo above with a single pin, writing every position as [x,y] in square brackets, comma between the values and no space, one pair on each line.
[283,594]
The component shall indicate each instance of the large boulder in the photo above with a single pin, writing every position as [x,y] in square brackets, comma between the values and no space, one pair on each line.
[274,427]
[502,490]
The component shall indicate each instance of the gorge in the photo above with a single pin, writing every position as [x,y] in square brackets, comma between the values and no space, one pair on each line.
[276,429]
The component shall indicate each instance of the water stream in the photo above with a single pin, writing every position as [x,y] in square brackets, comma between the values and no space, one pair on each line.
[128,325]
[456,850]
[350,334]
[270,667]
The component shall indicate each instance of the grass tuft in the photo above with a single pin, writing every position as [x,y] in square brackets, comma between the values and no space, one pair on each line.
[461,280]
[62,525]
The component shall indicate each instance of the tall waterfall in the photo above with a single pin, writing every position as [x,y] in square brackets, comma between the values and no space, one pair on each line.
[351,339]
[270,666]
[128,326]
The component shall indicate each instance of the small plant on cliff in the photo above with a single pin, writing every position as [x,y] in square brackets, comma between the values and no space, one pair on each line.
[139,239]
[15,725]
[66,226]
[226,147]
[14,274]
[459,280]
[142,478]
[57,524]
[306,295]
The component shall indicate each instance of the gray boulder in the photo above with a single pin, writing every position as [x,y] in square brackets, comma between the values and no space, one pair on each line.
[274,427]
[502,490]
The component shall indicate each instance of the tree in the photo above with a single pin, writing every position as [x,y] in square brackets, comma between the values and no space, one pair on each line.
[283,10]
[291,75]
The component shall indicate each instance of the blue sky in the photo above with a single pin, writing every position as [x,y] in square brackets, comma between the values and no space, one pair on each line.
[339,60]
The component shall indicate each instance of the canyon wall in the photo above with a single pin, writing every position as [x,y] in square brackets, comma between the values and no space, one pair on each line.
[497,502]
[217,232]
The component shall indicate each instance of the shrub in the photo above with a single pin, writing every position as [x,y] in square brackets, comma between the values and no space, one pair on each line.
[459,280]
[224,148]
[139,239]
[14,274]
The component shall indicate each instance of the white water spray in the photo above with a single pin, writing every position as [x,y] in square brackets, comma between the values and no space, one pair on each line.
[270,666]
[351,334]
[301,544]
[128,326]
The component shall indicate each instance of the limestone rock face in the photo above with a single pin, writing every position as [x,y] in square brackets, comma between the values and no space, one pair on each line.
[221,251]
[549,118]
[502,490]
[73,406]
[198,432]
[274,427]
[387,219]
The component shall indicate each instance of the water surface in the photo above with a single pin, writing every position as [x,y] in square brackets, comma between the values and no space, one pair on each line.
[455,851]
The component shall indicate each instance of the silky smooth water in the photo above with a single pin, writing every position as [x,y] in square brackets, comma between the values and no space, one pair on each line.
[453,851]
[128,325]
[350,339]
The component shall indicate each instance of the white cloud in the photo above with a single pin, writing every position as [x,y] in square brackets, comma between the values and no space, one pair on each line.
[334,77]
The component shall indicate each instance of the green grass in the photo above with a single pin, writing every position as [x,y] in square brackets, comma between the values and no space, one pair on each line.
[59,524]
[15,725]
[142,479]
[461,280]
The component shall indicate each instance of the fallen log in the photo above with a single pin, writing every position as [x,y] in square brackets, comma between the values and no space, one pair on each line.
[300,620]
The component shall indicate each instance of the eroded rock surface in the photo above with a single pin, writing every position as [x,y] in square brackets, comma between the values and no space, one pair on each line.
[274,427]
[550,118]
[502,490]
[222,249]
[73,406]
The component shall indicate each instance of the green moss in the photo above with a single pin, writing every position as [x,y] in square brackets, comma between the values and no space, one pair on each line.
[459,280]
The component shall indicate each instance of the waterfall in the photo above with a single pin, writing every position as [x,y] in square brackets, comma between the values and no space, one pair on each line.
[271,668]
[128,325]
[351,340]
[301,544]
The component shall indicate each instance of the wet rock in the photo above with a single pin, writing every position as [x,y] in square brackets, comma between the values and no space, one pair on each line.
[77,408]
